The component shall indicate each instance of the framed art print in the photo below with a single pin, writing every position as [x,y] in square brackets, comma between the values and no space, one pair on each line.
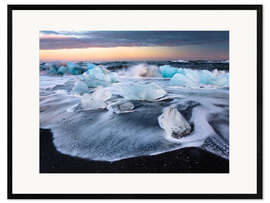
[135,101]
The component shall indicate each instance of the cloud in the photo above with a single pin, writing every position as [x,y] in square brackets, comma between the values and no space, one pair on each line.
[87,39]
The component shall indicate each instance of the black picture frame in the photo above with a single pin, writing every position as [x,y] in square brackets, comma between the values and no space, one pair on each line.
[257,8]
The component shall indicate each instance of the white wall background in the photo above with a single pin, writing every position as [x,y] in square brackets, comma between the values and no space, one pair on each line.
[3,73]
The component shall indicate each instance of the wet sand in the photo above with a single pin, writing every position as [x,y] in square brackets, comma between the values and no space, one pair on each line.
[186,160]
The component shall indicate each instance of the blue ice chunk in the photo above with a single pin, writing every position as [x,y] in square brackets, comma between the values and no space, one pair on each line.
[97,77]
[181,71]
[70,66]
[222,80]
[114,77]
[62,70]
[80,88]
[205,77]
[53,69]
[192,78]
[180,80]
[90,66]
[141,91]
[198,78]
[168,71]
[44,66]
[75,69]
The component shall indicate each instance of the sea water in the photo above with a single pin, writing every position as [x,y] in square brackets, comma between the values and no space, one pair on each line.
[88,121]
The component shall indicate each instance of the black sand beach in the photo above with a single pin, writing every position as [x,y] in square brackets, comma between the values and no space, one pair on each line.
[186,160]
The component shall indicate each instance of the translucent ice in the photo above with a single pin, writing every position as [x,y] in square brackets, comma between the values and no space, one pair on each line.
[168,71]
[180,79]
[80,88]
[97,76]
[113,77]
[44,66]
[198,78]
[62,70]
[75,69]
[122,106]
[101,94]
[90,66]
[53,68]
[141,91]
[105,136]
[222,80]
[96,100]
[174,124]
[205,77]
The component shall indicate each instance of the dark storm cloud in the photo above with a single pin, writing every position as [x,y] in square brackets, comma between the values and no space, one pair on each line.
[86,39]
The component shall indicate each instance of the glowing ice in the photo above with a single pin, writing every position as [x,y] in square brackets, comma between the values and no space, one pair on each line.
[62,70]
[122,106]
[97,76]
[80,88]
[174,124]
[198,78]
[222,80]
[190,78]
[140,91]
[179,79]
[168,71]
[113,77]
[53,68]
[75,69]
[96,100]
[205,77]
[90,66]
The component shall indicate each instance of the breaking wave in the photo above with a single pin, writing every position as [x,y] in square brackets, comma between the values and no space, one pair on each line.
[141,70]
[94,75]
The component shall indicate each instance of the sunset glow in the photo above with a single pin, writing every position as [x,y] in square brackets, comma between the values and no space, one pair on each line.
[118,45]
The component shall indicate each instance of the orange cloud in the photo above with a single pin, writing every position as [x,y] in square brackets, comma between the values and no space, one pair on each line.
[107,54]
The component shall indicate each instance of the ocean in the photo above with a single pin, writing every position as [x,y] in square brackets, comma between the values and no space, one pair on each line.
[112,111]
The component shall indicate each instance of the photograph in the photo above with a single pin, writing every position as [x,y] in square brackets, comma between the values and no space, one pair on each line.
[134,101]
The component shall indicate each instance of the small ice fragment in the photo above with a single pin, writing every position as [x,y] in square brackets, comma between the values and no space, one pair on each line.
[101,94]
[154,92]
[80,88]
[140,91]
[123,106]
[89,103]
[95,100]
[174,124]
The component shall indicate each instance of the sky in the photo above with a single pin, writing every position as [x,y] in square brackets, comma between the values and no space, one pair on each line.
[133,45]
